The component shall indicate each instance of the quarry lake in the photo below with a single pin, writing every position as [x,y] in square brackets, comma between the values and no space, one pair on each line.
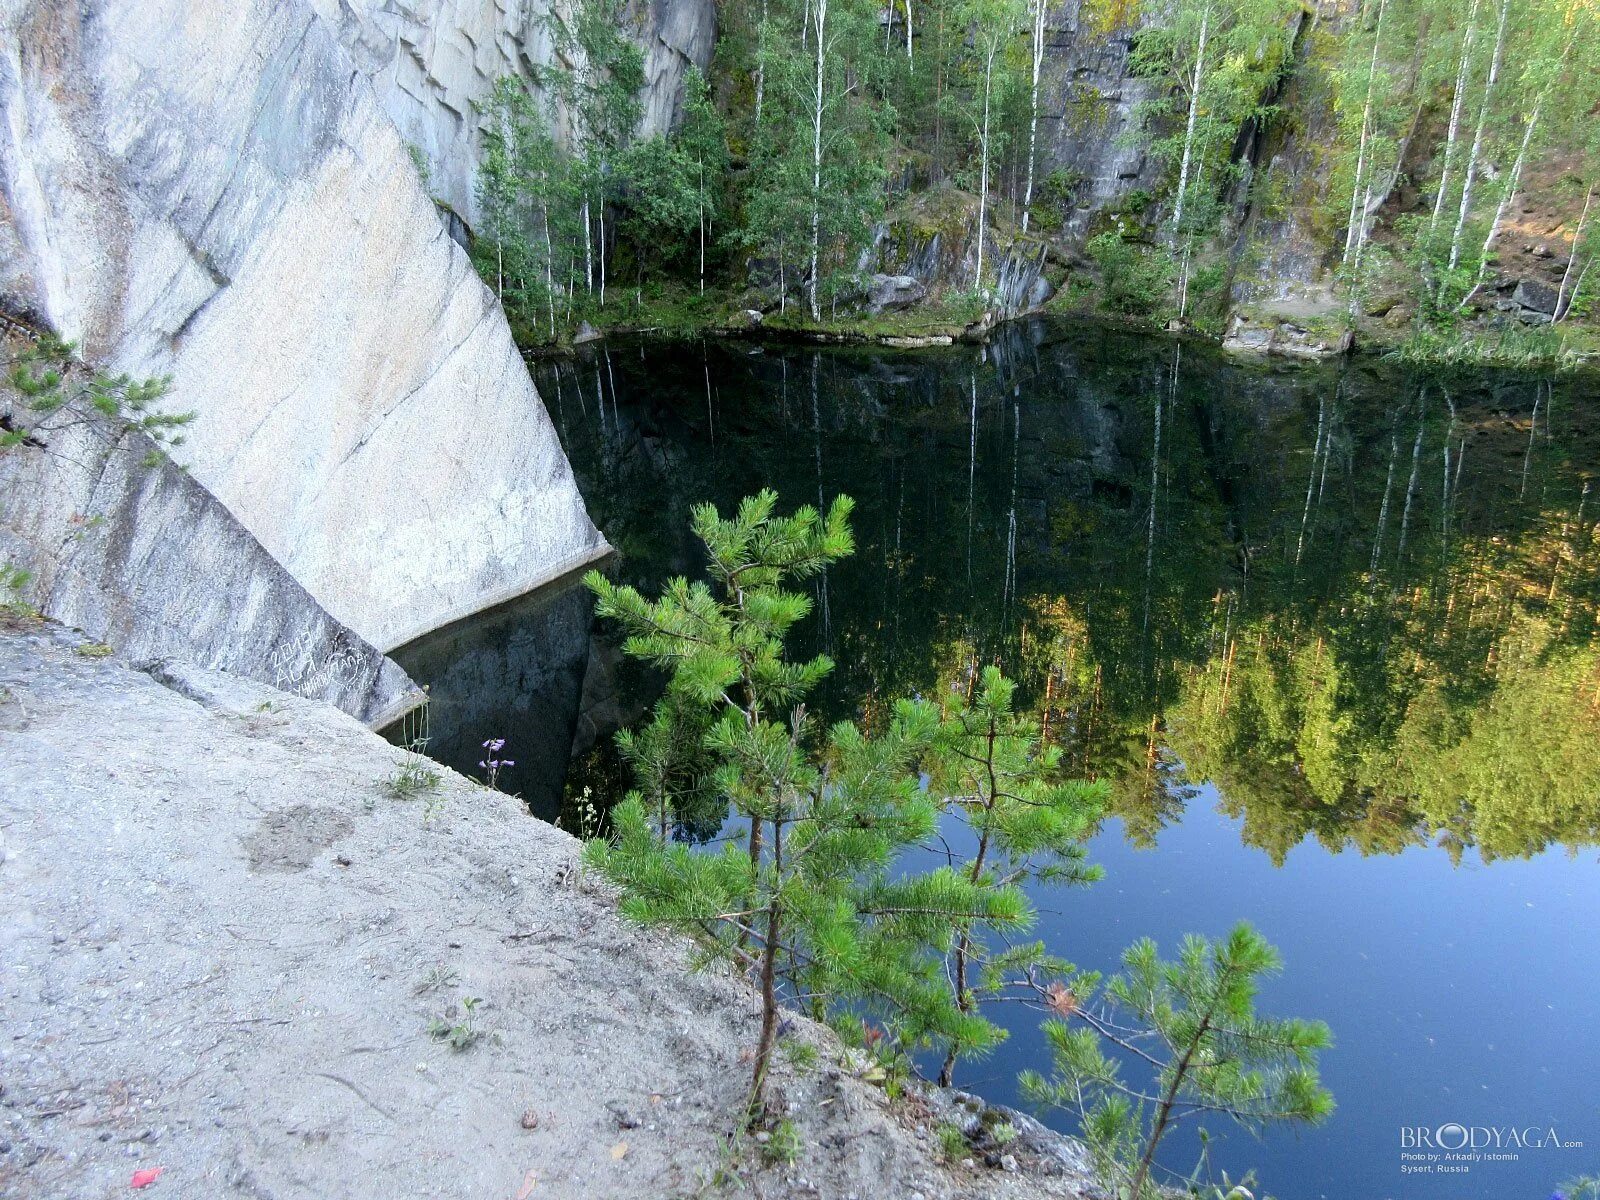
[1328,632]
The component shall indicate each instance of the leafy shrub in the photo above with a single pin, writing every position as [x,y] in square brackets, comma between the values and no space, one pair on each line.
[1053,202]
[1135,278]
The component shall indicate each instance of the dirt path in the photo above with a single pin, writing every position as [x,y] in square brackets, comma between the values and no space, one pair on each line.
[222,945]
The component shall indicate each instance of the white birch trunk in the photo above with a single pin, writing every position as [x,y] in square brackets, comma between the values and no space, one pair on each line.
[588,249]
[983,171]
[1358,208]
[1572,257]
[1577,289]
[1194,114]
[1513,184]
[1033,109]
[549,268]
[910,59]
[761,62]
[601,212]
[821,9]
[1477,137]
[1463,76]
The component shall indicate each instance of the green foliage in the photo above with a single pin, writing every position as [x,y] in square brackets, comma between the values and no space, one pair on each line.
[782,1146]
[598,72]
[60,395]
[811,897]
[415,775]
[1445,343]
[992,767]
[1579,1187]
[952,1143]
[818,157]
[1193,1021]
[1057,194]
[1136,279]
[672,187]
[14,583]
[821,114]
[526,191]
[1220,62]
[458,1032]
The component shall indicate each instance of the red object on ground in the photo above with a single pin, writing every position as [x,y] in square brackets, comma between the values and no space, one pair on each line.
[146,1177]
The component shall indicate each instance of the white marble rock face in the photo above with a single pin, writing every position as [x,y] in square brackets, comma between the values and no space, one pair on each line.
[431,62]
[211,189]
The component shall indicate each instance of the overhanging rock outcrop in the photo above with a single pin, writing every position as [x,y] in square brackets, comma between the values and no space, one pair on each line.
[432,62]
[209,189]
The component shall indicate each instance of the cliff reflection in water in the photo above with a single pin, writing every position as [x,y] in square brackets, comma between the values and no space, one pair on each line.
[515,672]
[1359,599]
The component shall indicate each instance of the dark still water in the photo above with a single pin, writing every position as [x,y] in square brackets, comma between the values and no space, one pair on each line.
[1328,632]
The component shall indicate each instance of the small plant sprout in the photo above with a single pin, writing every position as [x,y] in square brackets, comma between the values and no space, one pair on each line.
[460,1034]
[952,1142]
[14,582]
[491,764]
[781,1145]
[437,979]
[414,776]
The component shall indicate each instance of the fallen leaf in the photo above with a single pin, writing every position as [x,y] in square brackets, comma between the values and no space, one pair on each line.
[619,1150]
[145,1177]
[529,1182]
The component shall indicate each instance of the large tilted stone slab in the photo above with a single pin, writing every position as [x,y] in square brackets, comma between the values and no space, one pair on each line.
[432,62]
[140,556]
[209,189]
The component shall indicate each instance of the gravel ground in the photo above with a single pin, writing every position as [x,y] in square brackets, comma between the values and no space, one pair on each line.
[222,945]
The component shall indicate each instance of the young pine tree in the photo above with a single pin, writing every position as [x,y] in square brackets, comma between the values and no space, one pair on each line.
[809,903]
[1193,1023]
[1028,823]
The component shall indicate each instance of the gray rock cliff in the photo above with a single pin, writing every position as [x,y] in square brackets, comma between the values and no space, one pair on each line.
[213,191]
[140,556]
[432,61]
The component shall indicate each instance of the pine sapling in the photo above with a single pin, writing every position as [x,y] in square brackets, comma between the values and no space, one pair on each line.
[1192,1027]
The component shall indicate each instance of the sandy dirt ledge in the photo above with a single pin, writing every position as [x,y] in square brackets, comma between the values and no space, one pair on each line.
[221,946]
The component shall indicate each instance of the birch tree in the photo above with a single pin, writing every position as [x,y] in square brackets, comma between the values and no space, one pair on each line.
[818,159]
[1040,9]
[1470,173]
[1556,37]
[985,72]
[1457,102]
[1219,61]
